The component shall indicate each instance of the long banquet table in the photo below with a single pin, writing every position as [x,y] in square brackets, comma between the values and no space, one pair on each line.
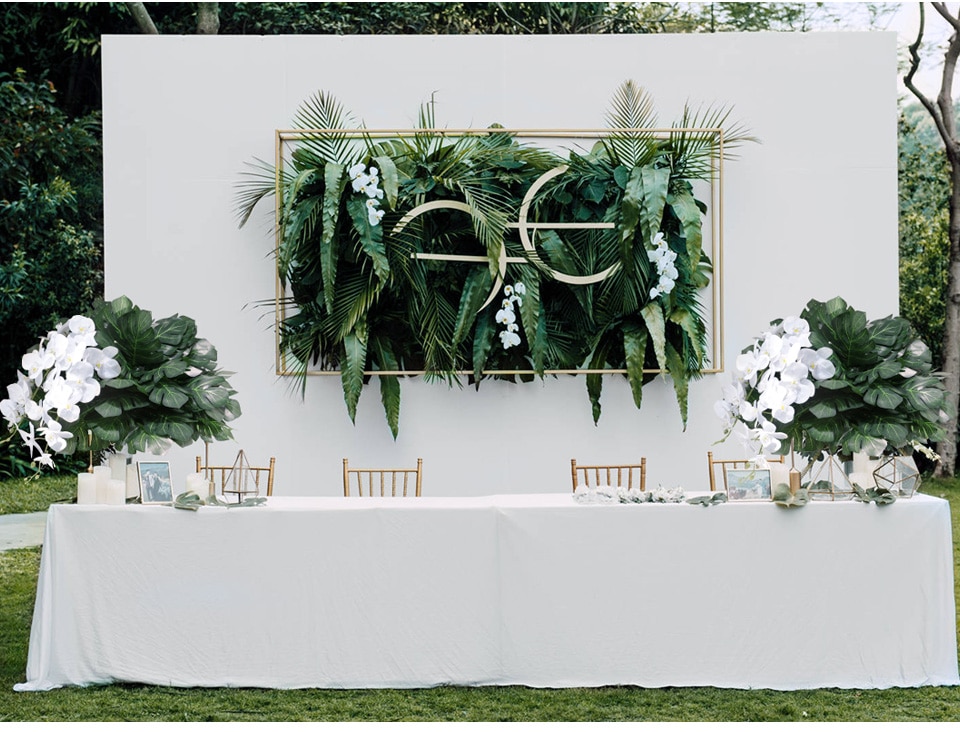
[509,589]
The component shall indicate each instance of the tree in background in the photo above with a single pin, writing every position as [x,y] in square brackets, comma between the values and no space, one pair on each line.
[943,114]
[51,213]
[924,178]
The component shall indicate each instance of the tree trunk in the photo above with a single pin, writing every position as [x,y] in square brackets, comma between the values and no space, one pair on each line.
[951,332]
[208,18]
[143,19]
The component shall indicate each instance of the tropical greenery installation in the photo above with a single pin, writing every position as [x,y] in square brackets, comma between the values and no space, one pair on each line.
[832,382]
[356,212]
[119,379]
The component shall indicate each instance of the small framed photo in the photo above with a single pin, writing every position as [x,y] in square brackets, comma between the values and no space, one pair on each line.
[155,483]
[748,484]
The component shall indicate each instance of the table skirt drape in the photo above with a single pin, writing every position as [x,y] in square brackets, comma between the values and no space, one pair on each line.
[512,589]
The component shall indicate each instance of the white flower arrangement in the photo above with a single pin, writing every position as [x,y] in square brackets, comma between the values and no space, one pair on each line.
[777,372]
[632,495]
[666,495]
[61,374]
[368,183]
[506,315]
[595,494]
[586,494]
[663,257]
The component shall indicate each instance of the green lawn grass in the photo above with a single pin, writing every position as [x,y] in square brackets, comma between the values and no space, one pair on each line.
[18,581]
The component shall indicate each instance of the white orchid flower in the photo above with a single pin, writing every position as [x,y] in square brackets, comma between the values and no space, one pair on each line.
[30,440]
[750,364]
[81,325]
[654,293]
[508,290]
[103,361]
[795,327]
[506,316]
[767,437]
[35,363]
[55,436]
[80,377]
[777,400]
[359,183]
[509,338]
[374,216]
[357,170]
[64,398]
[11,411]
[658,238]
[819,363]
[748,411]
[788,354]
[520,288]
[34,411]
[794,377]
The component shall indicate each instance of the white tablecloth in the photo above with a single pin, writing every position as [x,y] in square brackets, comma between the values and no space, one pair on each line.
[512,589]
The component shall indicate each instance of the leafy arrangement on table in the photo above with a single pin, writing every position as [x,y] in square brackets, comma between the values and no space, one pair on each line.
[834,382]
[116,379]
[359,301]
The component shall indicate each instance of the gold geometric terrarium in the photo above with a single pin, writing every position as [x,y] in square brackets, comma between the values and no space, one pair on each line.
[240,479]
[898,474]
[828,480]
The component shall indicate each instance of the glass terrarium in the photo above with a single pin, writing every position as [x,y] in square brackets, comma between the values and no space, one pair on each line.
[828,481]
[898,474]
[240,480]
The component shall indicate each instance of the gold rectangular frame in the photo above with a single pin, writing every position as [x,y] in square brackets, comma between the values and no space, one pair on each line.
[715,213]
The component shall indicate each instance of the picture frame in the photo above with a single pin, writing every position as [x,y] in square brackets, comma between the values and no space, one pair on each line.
[748,484]
[156,485]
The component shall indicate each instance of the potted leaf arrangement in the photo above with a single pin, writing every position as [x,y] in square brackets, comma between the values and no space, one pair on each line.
[378,242]
[118,380]
[840,391]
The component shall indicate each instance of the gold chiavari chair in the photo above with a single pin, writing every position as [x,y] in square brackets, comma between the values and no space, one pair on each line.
[383,481]
[626,476]
[740,463]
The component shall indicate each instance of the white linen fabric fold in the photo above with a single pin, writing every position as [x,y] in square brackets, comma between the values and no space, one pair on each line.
[512,589]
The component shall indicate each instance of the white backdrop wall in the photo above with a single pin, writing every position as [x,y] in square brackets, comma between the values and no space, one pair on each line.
[810,212]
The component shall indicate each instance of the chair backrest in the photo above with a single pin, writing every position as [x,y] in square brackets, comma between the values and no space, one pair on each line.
[220,475]
[713,462]
[383,481]
[628,476]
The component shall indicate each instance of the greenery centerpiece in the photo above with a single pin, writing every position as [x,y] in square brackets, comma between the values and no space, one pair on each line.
[369,228]
[118,379]
[834,382]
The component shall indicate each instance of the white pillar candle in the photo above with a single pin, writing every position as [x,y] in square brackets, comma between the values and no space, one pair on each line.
[102,474]
[116,492]
[779,473]
[197,483]
[863,463]
[86,488]
[118,466]
[133,481]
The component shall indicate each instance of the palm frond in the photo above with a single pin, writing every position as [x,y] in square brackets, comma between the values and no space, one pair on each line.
[323,112]
[694,148]
[632,109]
[259,182]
